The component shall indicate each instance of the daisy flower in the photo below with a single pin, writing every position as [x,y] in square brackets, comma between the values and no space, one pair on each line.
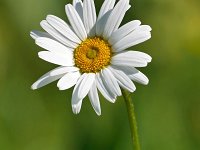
[92,51]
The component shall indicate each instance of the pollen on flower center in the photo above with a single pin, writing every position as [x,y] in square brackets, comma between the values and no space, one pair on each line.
[92,55]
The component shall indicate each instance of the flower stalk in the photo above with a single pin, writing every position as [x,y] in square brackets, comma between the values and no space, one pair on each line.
[132,119]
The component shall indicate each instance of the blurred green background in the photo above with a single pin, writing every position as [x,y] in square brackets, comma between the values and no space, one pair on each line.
[168,109]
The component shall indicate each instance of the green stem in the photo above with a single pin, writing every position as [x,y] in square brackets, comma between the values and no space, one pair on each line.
[132,119]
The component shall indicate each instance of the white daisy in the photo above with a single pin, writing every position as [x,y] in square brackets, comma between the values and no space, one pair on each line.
[92,51]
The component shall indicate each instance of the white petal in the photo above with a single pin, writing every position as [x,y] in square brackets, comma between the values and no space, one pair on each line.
[53,46]
[137,54]
[142,55]
[82,87]
[63,60]
[135,75]
[103,15]
[77,108]
[115,18]
[140,78]
[68,80]
[62,27]
[46,79]
[144,28]
[53,32]
[127,59]
[132,39]
[123,31]
[37,34]
[76,22]
[76,102]
[123,80]
[111,82]
[103,89]
[94,99]
[106,6]
[78,5]
[86,85]
[100,25]
[89,16]
[63,70]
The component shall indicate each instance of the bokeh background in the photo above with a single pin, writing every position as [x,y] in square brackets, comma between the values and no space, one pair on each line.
[168,109]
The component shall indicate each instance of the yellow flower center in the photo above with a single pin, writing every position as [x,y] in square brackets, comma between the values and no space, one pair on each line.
[92,55]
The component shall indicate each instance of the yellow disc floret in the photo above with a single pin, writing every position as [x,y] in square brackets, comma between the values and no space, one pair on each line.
[92,55]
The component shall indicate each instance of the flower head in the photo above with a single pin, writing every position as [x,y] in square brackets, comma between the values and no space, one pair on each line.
[92,51]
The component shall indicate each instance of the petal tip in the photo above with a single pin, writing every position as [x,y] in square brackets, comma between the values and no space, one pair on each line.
[98,113]
[42,22]
[33,87]
[133,90]
[67,7]
[49,16]
[113,100]
[75,109]
[147,82]
[60,88]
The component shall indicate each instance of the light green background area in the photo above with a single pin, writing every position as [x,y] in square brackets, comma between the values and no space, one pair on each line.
[168,109]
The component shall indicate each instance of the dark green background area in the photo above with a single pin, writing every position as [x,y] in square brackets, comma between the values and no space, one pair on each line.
[168,109]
